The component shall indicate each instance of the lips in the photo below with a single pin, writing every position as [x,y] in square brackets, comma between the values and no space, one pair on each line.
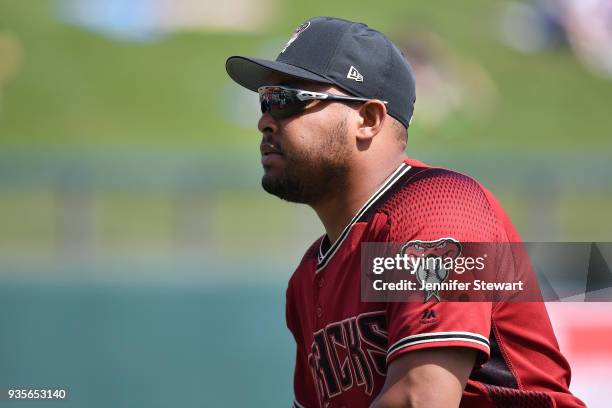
[267,149]
[269,154]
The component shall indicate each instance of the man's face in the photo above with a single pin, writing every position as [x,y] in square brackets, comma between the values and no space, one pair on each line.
[305,157]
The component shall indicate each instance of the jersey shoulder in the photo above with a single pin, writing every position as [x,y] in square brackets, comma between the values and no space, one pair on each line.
[434,202]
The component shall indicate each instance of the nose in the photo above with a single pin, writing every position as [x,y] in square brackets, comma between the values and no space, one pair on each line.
[267,124]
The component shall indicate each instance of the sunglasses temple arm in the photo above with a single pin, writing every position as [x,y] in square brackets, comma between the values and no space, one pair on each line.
[349,98]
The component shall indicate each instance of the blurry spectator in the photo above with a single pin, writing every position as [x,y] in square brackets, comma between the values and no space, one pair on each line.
[446,83]
[149,20]
[588,24]
[10,59]
[585,25]
[531,28]
[123,20]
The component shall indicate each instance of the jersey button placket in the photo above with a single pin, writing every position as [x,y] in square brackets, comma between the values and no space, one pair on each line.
[318,284]
[319,311]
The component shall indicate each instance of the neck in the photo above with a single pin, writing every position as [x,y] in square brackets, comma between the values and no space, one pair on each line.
[335,212]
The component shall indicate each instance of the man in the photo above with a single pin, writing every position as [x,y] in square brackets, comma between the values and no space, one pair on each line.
[336,105]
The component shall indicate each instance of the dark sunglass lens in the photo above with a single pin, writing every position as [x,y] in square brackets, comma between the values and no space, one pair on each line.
[287,111]
[281,103]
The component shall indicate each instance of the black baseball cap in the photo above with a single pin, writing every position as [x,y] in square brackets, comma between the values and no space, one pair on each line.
[356,58]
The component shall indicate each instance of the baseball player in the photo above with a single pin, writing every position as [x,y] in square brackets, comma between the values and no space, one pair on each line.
[336,105]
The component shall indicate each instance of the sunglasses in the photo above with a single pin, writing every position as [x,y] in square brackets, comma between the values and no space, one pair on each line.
[282,102]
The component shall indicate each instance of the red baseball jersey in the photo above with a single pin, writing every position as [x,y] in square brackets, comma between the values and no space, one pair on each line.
[344,345]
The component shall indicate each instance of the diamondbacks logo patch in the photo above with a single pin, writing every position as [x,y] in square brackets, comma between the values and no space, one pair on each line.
[301,28]
[435,255]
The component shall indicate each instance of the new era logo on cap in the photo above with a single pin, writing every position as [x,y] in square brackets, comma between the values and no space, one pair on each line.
[354,74]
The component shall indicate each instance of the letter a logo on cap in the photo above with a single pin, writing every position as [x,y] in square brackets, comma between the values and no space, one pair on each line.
[296,33]
[354,74]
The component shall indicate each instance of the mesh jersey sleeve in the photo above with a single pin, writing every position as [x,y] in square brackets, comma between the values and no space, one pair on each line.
[438,204]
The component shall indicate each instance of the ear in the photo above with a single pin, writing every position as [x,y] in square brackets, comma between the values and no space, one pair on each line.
[372,116]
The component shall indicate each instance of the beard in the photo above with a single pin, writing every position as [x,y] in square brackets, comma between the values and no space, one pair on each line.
[313,174]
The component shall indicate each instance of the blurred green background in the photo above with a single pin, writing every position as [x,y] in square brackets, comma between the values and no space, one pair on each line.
[141,264]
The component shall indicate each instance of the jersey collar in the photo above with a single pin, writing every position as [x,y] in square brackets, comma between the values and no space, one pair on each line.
[325,255]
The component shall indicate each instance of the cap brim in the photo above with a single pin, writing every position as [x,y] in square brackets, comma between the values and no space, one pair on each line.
[253,73]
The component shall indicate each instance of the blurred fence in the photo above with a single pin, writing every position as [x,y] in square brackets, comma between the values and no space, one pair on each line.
[203,208]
